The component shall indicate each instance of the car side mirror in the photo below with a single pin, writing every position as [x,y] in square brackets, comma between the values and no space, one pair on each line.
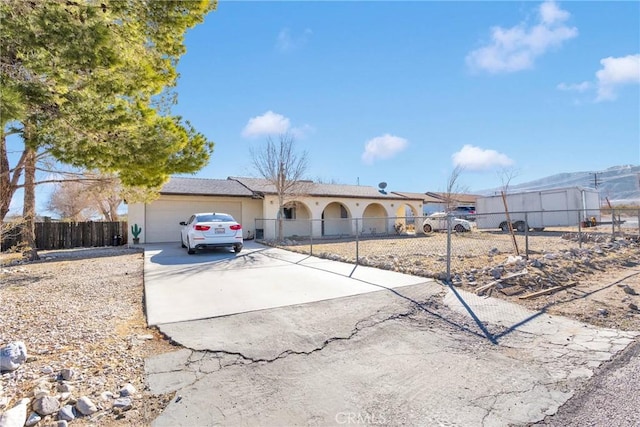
[183,223]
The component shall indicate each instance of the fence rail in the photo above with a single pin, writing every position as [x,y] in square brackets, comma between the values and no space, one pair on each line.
[66,235]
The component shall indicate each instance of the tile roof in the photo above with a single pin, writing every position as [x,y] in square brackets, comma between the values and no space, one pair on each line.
[324,190]
[211,187]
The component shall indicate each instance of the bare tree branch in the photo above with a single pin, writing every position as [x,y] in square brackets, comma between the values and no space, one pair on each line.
[453,188]
[280,165]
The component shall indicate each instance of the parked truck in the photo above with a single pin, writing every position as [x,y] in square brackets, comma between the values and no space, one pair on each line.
[537,210]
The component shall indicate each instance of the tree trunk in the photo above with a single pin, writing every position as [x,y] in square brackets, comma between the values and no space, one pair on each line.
[29,209]
[6,189]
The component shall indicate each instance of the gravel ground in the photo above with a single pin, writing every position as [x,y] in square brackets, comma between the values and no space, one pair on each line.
[81,310]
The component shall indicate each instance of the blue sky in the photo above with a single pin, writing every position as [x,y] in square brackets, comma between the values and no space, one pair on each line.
[403,92]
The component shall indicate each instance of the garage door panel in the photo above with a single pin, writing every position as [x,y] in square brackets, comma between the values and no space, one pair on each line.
[163,217]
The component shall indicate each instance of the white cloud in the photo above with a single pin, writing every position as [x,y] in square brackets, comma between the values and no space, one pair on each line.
[516,48]
[383,147]
[286,42]
[478,159]
[575,87]
[616,72]
[269,123]
[550,13]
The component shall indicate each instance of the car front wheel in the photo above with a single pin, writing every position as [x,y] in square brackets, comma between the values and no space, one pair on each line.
[427,228]
[459,228]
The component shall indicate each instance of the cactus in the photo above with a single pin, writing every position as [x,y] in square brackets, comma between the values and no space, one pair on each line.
[135,230]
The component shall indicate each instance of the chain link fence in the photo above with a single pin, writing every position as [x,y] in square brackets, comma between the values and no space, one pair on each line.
[402,244]
[476,257]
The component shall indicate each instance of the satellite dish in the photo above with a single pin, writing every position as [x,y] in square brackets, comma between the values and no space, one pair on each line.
[381,187]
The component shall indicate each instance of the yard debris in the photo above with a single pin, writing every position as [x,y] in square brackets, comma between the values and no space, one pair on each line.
[548,290]
[481,289]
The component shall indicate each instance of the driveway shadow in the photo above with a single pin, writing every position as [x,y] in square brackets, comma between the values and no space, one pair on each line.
[175,255]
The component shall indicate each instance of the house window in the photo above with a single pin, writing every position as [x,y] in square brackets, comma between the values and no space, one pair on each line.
[343,212]
[289,213]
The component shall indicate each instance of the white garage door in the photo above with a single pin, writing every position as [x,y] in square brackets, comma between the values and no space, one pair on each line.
[163,216]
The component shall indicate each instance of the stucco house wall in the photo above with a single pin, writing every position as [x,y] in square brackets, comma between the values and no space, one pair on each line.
[321,210]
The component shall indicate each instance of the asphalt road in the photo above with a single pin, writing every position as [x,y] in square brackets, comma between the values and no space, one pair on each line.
[610,398]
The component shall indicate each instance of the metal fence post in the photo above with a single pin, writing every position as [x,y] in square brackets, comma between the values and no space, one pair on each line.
[580,229]
[311,237]
[526,235]
[449,216]
[613,224]
[357,244]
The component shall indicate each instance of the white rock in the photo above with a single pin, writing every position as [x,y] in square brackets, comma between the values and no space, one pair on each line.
[513,259]
[127,390]
[64,387]
[66,413]
[46,405]
[124,403]
[85,406]
[145,337]
[67,374]
[12,356]
[16,416]
[33,419]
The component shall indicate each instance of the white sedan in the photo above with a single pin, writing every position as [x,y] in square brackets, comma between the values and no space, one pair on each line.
[211,230]
[438,221]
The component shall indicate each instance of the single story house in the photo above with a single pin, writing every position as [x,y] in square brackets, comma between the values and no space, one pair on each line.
[316,210]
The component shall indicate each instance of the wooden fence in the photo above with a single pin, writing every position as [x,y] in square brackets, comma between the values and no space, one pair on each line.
[66,235]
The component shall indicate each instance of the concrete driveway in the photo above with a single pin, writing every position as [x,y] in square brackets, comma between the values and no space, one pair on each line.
[382,349]
[181,287]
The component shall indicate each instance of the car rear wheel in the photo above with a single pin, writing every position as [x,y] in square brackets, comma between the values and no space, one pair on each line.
[504,227]
[190,250]
[427,228]
[237,248]
[182,242]
[459,228]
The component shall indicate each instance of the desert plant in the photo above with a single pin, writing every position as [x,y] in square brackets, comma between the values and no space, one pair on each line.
[136,230]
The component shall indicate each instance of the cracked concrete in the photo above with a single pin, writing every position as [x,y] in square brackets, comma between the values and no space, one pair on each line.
[377,355]
[412,355]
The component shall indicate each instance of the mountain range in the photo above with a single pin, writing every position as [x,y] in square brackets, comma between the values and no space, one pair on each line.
[619,184]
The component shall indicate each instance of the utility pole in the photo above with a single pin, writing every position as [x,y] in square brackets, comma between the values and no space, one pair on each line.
[595,179]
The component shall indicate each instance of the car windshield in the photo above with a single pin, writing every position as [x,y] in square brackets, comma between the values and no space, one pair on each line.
[215,218]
